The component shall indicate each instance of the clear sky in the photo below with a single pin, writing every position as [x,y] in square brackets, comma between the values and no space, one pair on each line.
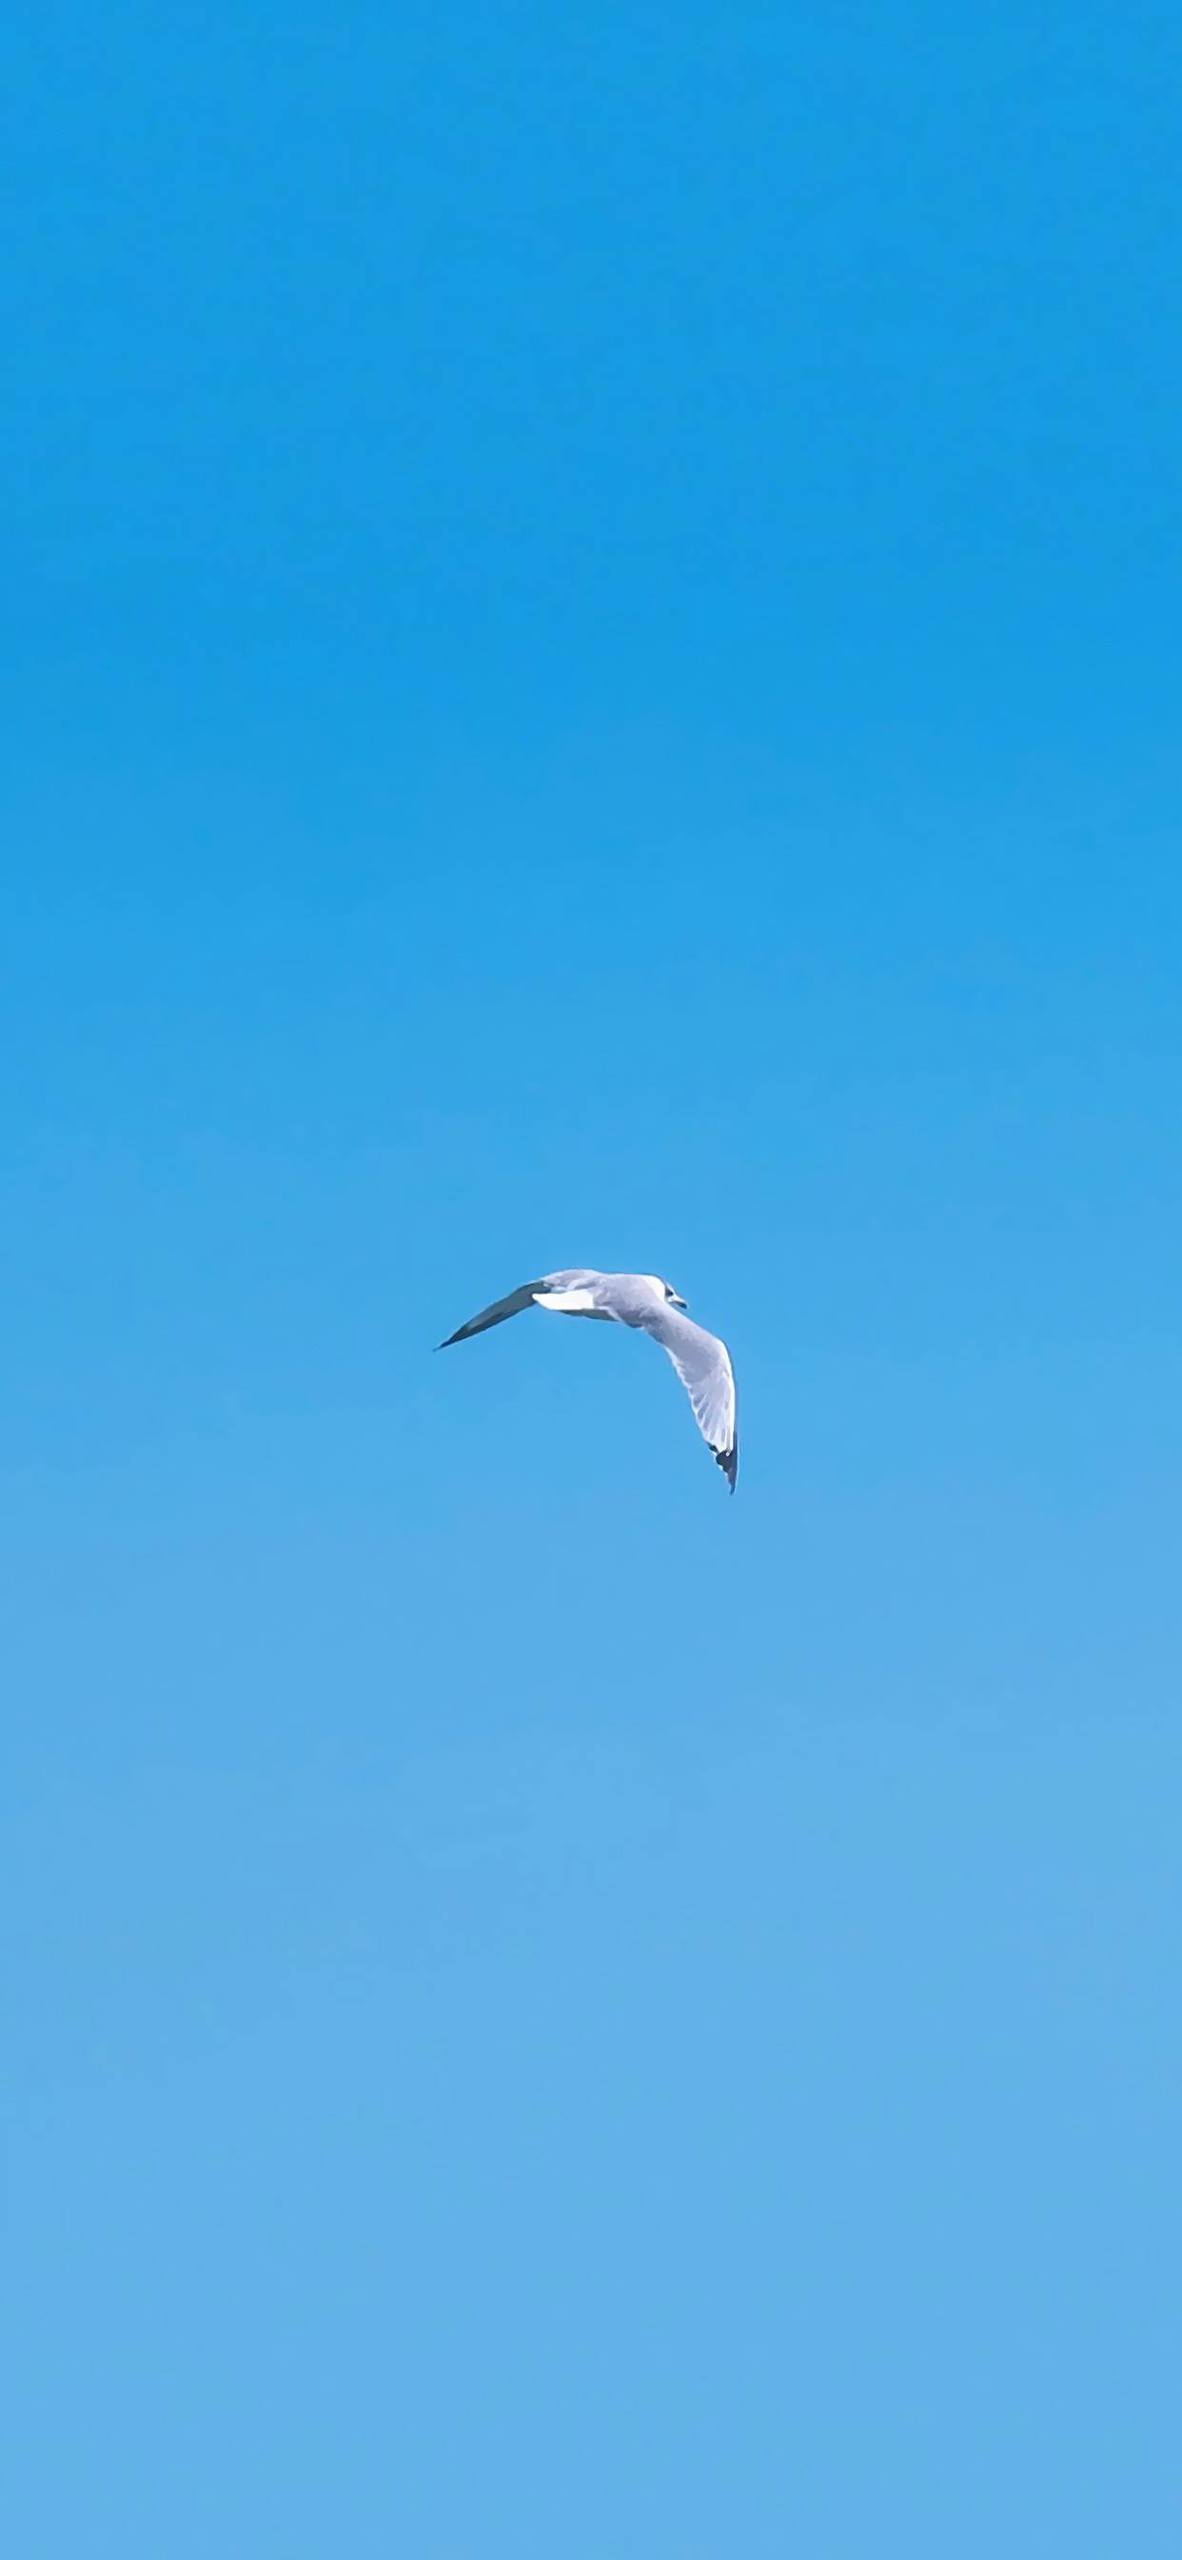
[592,676]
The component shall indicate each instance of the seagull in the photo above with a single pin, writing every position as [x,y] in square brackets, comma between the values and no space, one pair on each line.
[638,1298]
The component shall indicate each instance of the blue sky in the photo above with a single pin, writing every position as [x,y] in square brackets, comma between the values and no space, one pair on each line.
[593,676]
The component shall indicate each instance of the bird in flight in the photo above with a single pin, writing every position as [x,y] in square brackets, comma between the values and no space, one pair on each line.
[702,1362]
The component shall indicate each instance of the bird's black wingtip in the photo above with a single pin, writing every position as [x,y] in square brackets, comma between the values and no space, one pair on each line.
[728,1460]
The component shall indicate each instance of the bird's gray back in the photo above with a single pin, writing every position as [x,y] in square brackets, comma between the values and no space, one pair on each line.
[632,1297]
[571,1279]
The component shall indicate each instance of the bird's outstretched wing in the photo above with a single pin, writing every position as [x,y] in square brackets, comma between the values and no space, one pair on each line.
[571,1293]
[703,1365]
[504,1307]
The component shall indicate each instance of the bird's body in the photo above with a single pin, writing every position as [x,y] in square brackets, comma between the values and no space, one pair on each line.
[649,1305]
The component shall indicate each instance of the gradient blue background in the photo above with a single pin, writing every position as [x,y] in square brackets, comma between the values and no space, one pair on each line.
[592,628]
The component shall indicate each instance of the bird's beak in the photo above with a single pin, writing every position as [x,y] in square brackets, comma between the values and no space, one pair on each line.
[675,1301]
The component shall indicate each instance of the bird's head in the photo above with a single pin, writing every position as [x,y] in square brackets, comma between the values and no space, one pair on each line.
[671,1296]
